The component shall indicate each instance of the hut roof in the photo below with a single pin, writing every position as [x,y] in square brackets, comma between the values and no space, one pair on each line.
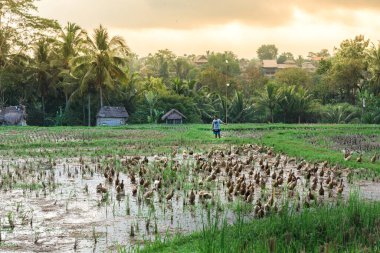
[270,64]
[11,109]
[12,114]
[173,114]
[200,59]
[112,112]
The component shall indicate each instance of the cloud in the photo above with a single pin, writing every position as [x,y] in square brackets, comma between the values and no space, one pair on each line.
[194,26]
[173,14]
[191,14]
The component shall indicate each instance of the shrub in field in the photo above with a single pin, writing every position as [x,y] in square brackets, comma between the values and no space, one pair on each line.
[340,113]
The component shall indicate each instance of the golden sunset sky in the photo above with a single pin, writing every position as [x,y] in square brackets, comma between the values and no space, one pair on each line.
[241,26]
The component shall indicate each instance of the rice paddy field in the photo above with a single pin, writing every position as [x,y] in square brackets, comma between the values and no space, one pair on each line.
[158,188]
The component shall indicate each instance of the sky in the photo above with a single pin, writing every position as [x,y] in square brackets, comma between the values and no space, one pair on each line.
[240,26]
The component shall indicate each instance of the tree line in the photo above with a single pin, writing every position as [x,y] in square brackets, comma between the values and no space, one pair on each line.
[63,75]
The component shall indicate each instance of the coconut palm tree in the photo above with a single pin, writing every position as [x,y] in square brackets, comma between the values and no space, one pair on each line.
[151,98]
[286,99]
[70,43]
[102,62]
[202,99]
[240,110]
[179,86]
[269,98]
[302,101]
[41,73]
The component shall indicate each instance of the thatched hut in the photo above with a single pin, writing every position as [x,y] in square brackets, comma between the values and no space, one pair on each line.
[173,117]
[13,116]
[112,116]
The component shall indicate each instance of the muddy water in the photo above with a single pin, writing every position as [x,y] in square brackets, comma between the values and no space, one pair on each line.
[69,218]
[57,220]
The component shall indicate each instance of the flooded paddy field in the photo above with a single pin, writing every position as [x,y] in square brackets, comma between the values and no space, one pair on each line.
[102,190]
[102,203]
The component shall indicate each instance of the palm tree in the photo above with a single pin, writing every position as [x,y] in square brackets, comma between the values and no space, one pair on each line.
[269,98]
[102,62]
[70,43]
[341,113]
[239,110]
[179,86]
[302,101]
[151,98]
[41,71]
[202,99]
[286,99]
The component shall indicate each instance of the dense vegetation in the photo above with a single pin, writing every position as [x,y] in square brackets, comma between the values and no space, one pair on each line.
[64,74]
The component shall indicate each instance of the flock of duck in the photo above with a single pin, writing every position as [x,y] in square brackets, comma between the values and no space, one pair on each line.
[251,173]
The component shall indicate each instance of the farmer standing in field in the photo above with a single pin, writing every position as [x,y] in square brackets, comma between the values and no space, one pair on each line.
[216,126]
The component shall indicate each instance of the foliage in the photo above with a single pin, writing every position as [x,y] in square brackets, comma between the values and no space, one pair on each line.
[284,57]
[294,76]
[267,52]
[47,67]
[340,114]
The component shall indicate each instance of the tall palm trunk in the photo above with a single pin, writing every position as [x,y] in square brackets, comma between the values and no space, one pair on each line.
[89,108]
[101,97]
[271,115]
[66,102]
[43,108]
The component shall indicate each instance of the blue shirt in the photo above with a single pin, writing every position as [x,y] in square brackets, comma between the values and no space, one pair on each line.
[216,124]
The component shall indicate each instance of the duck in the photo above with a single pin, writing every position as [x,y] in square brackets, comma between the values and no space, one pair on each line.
[249,198]
[359,159]
[101,189]
[134,190]
[119,190]
[257,206]
[170,195]
[148,194]
[293,184]
[157,184]
[110,179]
[120,187]
[374,158]
[274,175]
[321,190]
[133,178]
[348,157]
[204,195]
[341,187]
[117,181]
[310,195]
[192,198]
[331,184]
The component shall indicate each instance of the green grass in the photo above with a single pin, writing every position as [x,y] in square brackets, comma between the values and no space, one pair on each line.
[348,227]
[311,142]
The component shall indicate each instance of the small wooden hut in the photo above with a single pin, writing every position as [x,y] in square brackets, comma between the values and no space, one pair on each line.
[13,116]
[173,117]
[112,116]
